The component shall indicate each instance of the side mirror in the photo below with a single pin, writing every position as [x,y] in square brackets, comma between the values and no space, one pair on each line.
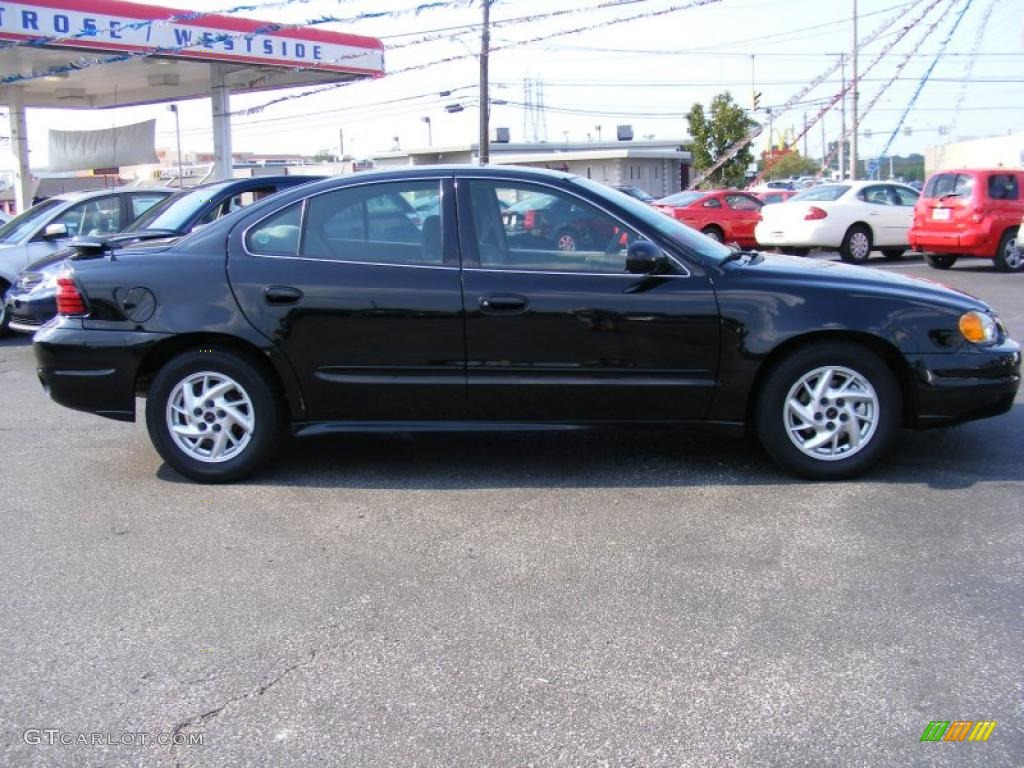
[55,231]
[643,257]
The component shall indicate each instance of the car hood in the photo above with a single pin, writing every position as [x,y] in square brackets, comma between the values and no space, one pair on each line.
[850,279]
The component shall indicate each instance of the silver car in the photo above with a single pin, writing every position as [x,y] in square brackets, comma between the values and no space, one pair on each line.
[51,224]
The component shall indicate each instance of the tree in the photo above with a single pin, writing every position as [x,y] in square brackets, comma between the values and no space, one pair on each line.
[324,156]
[791,164]
[712,137]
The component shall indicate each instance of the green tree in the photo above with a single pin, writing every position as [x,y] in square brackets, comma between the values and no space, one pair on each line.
[324,156]
[792,164]
[713,136]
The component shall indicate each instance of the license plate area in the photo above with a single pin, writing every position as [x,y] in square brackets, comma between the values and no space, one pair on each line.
[940,214]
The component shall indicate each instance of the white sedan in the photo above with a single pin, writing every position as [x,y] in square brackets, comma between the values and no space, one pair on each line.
[854,218]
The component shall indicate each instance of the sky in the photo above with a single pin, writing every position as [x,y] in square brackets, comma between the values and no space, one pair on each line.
[646,72]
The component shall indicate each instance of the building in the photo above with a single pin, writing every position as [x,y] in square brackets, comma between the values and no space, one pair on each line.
[659,167]
[994,152]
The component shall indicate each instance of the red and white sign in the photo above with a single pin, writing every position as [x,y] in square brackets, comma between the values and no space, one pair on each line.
[114,26]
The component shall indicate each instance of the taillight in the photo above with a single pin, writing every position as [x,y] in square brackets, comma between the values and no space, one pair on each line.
[814,213]
[69,299]
[530,220]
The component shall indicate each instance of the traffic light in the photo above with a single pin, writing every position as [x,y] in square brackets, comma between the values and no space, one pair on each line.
[757,100]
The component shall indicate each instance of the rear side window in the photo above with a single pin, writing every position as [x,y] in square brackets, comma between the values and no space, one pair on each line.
[277,235]
[712,202]
[1003,186]
[951,184]
[742,203]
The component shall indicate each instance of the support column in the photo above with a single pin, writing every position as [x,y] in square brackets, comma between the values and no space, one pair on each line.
[221,102]
[19,149]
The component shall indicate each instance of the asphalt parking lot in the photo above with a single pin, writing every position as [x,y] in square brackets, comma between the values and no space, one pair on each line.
[649,599]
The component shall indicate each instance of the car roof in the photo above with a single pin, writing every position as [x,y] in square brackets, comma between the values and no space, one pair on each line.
[74,197]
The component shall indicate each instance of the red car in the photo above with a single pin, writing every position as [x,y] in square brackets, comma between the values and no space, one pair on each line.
[970,212]
[725,215]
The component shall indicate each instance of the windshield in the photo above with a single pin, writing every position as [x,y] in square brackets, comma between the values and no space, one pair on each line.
[687,238]
[176,211]
[824,194]
[682,198]
[24,224]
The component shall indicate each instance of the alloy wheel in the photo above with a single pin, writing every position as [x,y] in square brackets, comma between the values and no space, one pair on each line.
[210,417]
[1012,255]
[831,413]
[860,246]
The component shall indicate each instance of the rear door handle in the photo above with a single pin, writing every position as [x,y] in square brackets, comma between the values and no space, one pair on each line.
[279,295]
[504,303]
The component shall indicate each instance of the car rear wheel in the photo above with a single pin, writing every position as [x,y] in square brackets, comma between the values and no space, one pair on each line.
[829,411]
[213,415]
[856,246]
[1009,258]
[893,253]
[940,260]
[714,233]
[5,317]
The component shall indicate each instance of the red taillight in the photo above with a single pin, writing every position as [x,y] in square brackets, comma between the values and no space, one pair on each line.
[814,213]
[530,220]
[69,299]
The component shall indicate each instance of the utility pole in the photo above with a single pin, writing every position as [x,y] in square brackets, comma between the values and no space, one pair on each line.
[842,117]
[485,102]
[341,144]
[805,135]
[824,144]
[853,135]
[177,133]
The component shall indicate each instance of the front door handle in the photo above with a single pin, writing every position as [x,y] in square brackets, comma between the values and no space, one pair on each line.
[278,295]
[504,304]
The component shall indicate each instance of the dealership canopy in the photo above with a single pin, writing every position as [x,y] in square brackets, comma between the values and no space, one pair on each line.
[164,54]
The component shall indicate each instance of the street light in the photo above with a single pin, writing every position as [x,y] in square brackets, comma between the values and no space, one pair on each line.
[177,132]
[430,131]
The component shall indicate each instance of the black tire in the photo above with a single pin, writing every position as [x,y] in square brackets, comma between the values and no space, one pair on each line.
[5,316]
[566,240]
[940,260]
[772,410]
[1009,257]
[797,251]
[893,253]
[264,407]
[715,233]
[851,250]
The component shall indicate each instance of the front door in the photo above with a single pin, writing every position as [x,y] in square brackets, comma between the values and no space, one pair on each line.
[362,296]
[556,330]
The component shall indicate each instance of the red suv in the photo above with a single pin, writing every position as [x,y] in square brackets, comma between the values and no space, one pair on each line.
[970,212]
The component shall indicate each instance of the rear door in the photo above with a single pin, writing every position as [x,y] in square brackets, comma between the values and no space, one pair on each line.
[560,335]
[884,216]
[906,199]
[364,300]
[1004,201]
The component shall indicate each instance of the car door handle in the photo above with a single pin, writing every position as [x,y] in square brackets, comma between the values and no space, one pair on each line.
[504,303]
[279,295]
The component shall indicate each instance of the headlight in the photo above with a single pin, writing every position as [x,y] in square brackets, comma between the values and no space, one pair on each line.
[979,328]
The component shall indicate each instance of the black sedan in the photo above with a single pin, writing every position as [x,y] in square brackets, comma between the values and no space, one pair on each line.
[31,301]
[324,316]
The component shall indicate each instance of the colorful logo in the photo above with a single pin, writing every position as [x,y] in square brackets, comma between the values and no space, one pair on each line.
[958,730]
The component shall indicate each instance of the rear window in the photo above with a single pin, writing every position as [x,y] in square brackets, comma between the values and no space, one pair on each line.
[949,185]
[1003,186]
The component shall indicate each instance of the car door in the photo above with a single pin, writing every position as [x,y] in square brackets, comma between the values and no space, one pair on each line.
[883,215]
[569,335]
[906,199]
[365,303]
[744,213]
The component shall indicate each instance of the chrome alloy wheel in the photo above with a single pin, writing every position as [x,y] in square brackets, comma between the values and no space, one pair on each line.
[1012,255]
[210,417]
[860,246]
[831,413]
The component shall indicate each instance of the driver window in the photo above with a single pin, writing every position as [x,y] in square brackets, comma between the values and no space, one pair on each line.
[523,227]
[876,196]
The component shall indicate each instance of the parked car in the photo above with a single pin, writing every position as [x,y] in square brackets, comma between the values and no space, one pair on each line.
[284,327]
[545,221]
[725,215]
[49,226]
[32,300]
[775,196]
[640,194]
[854,218]
[970,212]
[766,186]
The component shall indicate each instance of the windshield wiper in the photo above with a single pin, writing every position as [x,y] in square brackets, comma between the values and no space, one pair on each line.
[949,194]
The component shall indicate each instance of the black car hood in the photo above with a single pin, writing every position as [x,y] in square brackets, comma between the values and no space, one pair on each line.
[851,279]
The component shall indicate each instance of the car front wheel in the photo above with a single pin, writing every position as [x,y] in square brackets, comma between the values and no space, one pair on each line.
[856,246]
[829,411]
[213,416]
